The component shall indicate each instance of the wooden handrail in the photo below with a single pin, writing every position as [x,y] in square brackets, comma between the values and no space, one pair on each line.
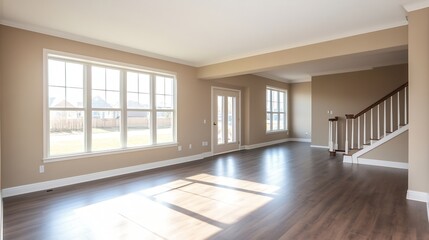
[379,101]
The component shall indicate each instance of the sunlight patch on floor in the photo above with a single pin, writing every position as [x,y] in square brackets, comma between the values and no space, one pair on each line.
[194,208]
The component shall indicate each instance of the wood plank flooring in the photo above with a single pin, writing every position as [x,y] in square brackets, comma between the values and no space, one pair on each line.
[287,191]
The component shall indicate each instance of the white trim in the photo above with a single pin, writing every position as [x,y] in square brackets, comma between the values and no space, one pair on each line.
[264,144]
[347,159]
[418,196]
[416,5]
[299,140]
[319,146]
[40,186]
[382,163]
[389,137]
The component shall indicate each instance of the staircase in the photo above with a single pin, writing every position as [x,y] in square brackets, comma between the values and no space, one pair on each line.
[371,127]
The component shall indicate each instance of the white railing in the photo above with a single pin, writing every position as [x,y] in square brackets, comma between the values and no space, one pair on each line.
[376,121]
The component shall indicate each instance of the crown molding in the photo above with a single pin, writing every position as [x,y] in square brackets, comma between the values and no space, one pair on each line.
[410,7]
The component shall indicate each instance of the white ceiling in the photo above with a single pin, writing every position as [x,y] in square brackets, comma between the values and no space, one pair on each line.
[198,32]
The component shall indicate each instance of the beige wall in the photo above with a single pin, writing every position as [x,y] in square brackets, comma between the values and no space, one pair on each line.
[300,109]
[22,113]
[395,150]
[418,57]
[254,109]
[349,93]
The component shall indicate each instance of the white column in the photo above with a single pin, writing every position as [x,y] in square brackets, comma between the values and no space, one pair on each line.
[353,133]
[336,135]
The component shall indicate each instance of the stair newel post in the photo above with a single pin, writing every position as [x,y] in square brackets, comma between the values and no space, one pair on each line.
[364,128]
[358,132]
[384,119]
[391,114]
[331,135]
[399,112]
[405,106]
[336,133]
[347,146]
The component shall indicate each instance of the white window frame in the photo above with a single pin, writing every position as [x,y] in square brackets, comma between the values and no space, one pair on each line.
[87,108]
[271,112]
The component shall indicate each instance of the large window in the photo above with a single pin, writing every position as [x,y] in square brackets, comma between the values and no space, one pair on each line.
[95,106]
[276,110]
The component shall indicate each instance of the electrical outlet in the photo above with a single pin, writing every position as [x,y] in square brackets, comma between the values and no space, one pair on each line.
[41,169]
[204,121]
[204,143]
[179,148]
[190,146]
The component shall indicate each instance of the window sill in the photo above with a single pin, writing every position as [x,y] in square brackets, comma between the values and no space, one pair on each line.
[276,132]
[103,153]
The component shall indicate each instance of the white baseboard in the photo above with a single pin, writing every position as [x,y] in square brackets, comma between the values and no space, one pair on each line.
[265,144]
[318,146]
[382,163]
[40,186]
[299,139]
[420,197]
[347,159]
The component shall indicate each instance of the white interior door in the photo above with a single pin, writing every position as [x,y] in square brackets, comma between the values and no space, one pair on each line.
[225,120]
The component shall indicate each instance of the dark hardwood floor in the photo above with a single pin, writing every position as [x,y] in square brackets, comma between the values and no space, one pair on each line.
[287,191]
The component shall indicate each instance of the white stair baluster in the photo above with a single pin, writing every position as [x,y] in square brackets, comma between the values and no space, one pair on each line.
[391,114]
[358,133]
[378,121]
[384,120]
[405,106]
[353,133]
[336,135]
[364,128]
[347,135]
[372,127]
[399,112]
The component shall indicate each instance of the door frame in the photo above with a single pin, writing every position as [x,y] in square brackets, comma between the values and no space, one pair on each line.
[212,118]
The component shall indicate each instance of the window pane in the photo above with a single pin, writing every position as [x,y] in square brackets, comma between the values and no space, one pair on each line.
[56,73]
[144,83]
[144,101]
[74,97]
[133,100]
[275,122]
[231,120]
[220,120]
[66,132]
[281,102]
[57,97]
[169,86]
[98,78]
[160,85]
[132,82]
[282,122]
[99,99]
[74,75]
[268,122]
[113,99]
[112,79]
[106,130]
[164,127]
[268,100]
[138,129]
